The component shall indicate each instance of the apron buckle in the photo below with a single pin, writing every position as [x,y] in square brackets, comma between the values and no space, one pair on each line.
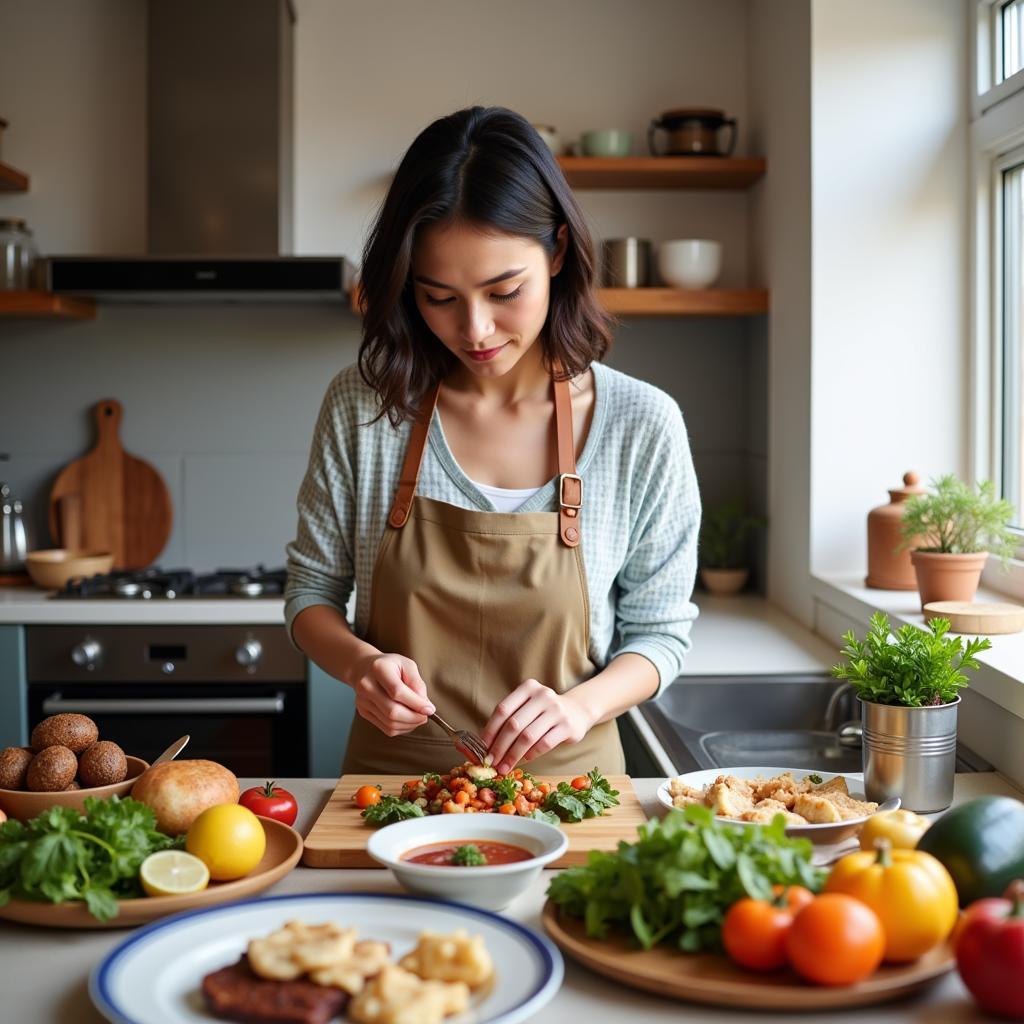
[576,488]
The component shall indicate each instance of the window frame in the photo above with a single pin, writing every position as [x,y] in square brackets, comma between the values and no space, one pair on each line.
[997,142]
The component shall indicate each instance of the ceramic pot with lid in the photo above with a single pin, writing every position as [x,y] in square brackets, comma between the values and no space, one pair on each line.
[888,567]
[692,131]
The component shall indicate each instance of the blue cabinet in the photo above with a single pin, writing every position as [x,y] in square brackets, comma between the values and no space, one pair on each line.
[332,706]
[13,689]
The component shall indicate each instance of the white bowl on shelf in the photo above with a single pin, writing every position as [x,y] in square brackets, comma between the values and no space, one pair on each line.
[690,262]
[490,886]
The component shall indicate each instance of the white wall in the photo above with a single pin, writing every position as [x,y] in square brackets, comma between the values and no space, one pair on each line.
[889,374]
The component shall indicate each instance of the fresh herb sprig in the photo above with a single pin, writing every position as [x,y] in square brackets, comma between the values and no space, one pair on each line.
[504,788]
[63,854]
[912,668]
[391,809]
[676,882]
[573,805]
[468,856]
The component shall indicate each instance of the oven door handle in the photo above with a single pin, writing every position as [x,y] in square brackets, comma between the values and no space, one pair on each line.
[56,703]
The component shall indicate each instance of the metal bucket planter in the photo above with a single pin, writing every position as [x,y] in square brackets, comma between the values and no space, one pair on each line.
[910,753]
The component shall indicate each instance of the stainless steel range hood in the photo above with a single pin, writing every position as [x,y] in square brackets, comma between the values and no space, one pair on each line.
[219,208]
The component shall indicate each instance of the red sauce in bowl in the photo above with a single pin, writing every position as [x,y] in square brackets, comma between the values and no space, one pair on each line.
[440,854]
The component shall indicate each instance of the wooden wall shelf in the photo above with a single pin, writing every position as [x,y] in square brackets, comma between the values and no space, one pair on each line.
[662,172]
[11,179]
[35,303]
[684,301]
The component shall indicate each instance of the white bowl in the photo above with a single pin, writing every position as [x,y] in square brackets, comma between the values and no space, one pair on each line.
[690,262]
[491,886]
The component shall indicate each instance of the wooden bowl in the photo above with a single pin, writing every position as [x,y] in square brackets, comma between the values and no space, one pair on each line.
[24,804]
[52,568]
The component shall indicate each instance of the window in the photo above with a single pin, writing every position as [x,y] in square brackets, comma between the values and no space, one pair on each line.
[1010,371]
[1009,40]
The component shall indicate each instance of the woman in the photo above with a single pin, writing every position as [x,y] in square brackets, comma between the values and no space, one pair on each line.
[520,522]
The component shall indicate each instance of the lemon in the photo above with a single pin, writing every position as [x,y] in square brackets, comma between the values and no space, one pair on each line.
[229,839]
[173,873]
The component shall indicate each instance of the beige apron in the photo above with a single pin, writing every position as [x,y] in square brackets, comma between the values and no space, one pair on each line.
[481,601]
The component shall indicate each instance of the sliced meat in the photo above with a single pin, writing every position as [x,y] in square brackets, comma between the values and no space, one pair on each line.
[236,993]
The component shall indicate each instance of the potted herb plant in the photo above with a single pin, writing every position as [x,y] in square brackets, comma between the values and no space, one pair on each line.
[959,525]
[907,683]
[723,546]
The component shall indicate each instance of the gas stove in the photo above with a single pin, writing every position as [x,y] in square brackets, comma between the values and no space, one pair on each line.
[156,583]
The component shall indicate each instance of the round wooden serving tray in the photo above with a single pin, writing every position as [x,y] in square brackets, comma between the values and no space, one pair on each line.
[284,847]
[975,617]
[713,978]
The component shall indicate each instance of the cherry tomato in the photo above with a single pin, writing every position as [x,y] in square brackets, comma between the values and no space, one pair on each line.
[271,801]
[835,940]
[366,796]
[754,931]
[580,782]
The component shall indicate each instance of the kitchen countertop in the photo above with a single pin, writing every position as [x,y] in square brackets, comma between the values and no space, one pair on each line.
[44,973]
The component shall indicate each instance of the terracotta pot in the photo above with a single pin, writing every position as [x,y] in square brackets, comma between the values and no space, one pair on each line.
[947,577]
[724,581]
[889,568]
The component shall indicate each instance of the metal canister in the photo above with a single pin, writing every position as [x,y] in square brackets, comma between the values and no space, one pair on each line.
[910,753]
[17,253]
[626,263]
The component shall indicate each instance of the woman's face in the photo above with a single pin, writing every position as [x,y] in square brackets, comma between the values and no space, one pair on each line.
[485,296]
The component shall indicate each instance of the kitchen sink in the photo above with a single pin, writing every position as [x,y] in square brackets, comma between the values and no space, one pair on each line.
[785,721]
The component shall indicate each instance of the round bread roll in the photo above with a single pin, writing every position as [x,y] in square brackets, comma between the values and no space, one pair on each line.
[14,762]
[51,770]
[102,764]
[76,732]
[179,791]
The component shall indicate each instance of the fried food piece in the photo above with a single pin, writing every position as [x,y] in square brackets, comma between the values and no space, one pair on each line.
[296,948]
[729,796]
[833,786]
[683,795]
[397,996]
[782,788]
[455,957]
[850,807]
[764,813]
[367,959]
[818,810]
[236,993]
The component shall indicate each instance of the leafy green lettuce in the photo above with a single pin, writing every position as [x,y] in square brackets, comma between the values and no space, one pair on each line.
[675,883]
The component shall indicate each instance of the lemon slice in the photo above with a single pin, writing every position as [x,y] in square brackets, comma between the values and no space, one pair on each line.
[173,873]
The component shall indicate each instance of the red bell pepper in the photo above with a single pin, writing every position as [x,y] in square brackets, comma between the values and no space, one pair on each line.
[990,952]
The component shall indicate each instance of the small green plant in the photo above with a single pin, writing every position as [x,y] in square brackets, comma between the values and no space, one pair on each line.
[723,535]
[912,667]
[959,520]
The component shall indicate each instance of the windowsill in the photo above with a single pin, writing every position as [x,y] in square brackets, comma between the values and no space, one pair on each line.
[1002,675]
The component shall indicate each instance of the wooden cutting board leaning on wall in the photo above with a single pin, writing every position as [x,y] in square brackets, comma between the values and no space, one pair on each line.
[122,502]
[338,838]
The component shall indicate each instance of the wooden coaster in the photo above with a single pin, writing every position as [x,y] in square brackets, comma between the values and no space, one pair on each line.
[975,617]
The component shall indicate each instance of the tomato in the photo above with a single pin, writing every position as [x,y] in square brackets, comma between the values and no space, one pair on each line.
[990,952]
[229,839]
[902,828]
[835,940]
[271,801]
[580,782]
[910,891]
[754,931]
[366,796]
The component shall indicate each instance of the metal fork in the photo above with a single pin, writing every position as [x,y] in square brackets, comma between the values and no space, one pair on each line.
[464,739]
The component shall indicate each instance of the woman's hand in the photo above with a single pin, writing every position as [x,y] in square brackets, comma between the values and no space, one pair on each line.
[530,721]
[391,694]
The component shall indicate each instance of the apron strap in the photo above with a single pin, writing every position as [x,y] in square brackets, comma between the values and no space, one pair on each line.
[569,484]
[402,504]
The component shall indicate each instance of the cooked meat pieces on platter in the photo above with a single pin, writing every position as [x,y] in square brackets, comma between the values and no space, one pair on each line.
[237,993]
[800,801]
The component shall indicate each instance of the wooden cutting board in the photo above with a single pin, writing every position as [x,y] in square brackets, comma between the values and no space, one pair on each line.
[338,839]
[976,617]
[125,504]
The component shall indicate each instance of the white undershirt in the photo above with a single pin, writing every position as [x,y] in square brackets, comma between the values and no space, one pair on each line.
[505,499]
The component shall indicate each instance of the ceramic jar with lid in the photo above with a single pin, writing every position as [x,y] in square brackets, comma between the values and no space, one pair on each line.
[888,567]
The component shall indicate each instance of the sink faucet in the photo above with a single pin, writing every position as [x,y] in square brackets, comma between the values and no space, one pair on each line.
[832,708]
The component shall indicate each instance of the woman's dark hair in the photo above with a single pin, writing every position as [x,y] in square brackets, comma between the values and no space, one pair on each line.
[484,166]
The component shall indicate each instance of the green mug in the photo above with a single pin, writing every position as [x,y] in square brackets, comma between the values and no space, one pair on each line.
[606,142]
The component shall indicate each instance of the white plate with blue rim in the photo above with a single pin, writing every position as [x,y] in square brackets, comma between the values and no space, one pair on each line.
[826,832]
[155,975]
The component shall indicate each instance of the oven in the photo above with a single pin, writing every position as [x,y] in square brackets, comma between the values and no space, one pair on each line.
[238,691]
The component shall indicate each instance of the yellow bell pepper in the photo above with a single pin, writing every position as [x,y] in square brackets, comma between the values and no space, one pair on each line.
[901,828]
[909,890]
